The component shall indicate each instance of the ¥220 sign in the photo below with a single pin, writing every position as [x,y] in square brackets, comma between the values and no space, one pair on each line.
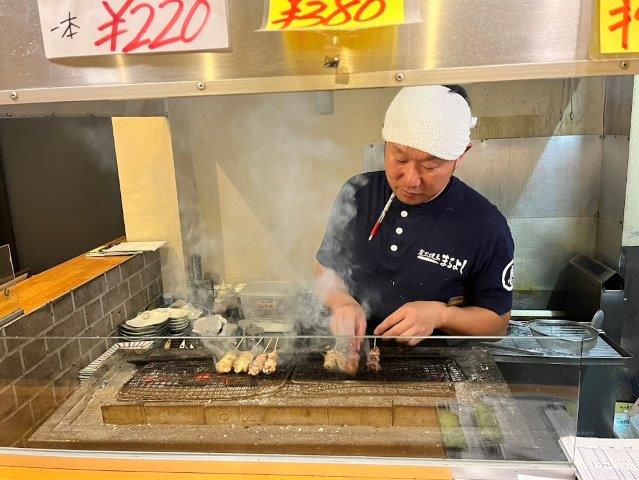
[73,28]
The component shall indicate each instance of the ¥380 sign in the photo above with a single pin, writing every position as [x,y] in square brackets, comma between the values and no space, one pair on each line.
[333,14]
[75,28]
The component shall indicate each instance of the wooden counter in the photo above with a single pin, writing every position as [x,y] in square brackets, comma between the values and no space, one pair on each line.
[51,284]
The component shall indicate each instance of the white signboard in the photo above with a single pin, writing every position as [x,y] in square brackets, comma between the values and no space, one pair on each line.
[78,28]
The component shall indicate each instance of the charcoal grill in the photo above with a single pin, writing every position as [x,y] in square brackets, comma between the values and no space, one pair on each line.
[196,380]
[394,369]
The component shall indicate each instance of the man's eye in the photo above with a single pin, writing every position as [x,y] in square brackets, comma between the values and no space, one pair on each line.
[430,167]
[401,161]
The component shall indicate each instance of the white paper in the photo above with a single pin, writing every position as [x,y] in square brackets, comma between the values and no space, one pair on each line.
[604,458]
[125,248]
[136,247]
[79,28]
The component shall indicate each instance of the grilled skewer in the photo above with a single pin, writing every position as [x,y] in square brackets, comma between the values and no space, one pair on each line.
[257,365]
[337,361]
[331,360]
[242,362]
[373,360]
[225,365]
[352,363]
[271,361]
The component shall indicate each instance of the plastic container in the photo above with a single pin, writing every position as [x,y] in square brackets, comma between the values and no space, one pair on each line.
[270,329]
[269,299]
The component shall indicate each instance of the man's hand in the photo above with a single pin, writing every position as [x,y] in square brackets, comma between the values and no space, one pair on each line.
[349,319]
[414,319]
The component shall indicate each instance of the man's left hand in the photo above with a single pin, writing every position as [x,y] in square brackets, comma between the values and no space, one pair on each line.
[414,319]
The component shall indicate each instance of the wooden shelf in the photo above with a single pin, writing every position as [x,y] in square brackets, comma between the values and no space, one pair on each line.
[47,286]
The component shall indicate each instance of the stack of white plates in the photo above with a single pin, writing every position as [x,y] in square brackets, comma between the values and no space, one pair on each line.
[179,319]
[147,324]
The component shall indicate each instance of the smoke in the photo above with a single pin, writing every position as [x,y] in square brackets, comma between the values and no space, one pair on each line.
[267,169]
[87,133]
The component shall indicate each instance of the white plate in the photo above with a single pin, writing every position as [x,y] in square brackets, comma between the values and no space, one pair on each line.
[174,313]
[146,319]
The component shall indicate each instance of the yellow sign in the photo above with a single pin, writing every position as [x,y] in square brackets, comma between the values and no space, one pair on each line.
[333,14]
[619,26]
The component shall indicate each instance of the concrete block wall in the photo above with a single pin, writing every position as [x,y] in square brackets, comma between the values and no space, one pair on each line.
[42,352]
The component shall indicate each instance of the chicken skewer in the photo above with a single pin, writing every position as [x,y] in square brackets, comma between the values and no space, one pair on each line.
[258,364]
[373,360]
[337,361]
[244,360]
[271,361]
[225,365]
[333,359]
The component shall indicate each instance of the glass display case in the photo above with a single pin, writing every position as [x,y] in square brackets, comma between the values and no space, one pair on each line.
[447,399]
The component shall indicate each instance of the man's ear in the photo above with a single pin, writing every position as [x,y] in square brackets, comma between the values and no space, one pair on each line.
[460,160]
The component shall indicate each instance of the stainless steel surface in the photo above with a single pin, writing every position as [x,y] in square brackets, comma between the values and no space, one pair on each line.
[131,108]
[591,286]
[630,323]
[551,214]
[618,105]
[539,108]
[373,156]
[507,348]
[564,336]
[612,198]
[459,41]
[606,351]
[525,177]
[536,314]
[537,189]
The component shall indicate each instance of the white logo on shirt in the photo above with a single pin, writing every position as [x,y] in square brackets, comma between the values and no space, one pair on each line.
[507,276]
[443,260]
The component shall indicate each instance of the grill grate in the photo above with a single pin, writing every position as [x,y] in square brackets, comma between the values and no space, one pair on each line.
[394,369]
[195,380]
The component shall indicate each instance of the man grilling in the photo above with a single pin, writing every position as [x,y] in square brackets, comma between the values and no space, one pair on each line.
[442,257]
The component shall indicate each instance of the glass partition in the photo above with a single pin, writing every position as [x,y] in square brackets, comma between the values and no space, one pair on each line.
[448,398]
[9,305]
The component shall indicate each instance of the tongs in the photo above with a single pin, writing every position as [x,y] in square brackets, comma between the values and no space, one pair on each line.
[509,349]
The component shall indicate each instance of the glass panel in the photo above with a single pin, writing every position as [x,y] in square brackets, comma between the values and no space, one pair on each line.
[6,266]
[9,305]
[448,398]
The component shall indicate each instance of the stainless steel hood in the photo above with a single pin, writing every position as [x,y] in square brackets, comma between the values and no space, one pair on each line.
[459,41]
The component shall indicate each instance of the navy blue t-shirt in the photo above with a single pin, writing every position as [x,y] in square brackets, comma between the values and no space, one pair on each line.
[457,245]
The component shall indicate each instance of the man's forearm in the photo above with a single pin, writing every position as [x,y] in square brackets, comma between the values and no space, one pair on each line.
[338,298]
[331,289]
[474,321]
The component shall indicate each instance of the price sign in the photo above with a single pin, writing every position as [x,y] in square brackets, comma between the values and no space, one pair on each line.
[619,26]
[74,28]
[333,14]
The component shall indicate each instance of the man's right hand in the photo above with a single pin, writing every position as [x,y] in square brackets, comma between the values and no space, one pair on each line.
[349,319]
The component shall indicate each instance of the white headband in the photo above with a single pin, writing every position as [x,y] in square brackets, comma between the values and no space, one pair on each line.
[432,119]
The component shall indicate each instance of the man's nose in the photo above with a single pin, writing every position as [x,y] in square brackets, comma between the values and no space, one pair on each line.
[412,176]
